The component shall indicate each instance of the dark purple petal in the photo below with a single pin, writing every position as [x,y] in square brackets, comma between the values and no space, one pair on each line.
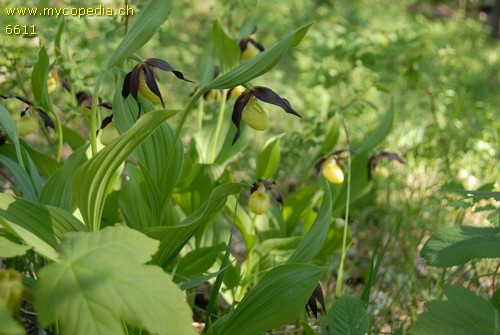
[46,119]
[243,44]
[267,95]
[277,197]
[106,121]
[256,44]
[65,84]
[239,105]
[26,101]
[126,85]
[162,65]
[149,76]
[135,81]
[392,156]
[107,105]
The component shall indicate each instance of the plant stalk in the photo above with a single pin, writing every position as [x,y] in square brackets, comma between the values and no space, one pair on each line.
[340,279]
[93,114]
[219,126]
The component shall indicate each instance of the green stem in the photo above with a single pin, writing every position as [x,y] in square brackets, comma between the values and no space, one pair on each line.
[201,109]
[185,114]
[60,137]
[93,113]
[338,289]
[219,126]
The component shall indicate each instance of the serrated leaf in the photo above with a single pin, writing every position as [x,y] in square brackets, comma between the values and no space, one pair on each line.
[315,237]
[348,316]
[462,314]
[39,226]
[277,300]
[226,48]
[91,180]
[100,280]
[451,246]
[11,249]
[146,24]
[268,160]
[57,190]
[376,136]
[261,63]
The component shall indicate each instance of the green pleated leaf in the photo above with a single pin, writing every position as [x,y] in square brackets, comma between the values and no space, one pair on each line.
[277,300]
[462,314]
[451,246]
[315,237]
[348,316]
[39,226]
[57,190]
[23,180]
[173,238]
[100,280]
[92,179]
[133,201]
[268,160]
[44,163]
[39,80]
[10,128]
[261,63]
[147,22]
[298,203]
[226,48]
[11,249]
[199,260]
[376,136]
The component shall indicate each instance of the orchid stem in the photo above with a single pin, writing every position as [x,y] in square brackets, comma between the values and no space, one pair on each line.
[219,126]
[338,288]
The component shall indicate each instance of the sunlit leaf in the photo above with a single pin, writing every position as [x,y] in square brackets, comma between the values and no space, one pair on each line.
[226,48]
[377,135]
[11,249]
[100,280]
[39,226]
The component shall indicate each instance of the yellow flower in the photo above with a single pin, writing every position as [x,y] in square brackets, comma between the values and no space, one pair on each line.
[255,116]
[147,93]
[259,201]
[27,124]
[52,81]
[109,133]
[332,172]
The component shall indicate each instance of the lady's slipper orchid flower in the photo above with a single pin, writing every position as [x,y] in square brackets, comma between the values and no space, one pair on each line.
[259,201]
[30,111]
[250,48]
[142,79]
[247,108]
[108,130]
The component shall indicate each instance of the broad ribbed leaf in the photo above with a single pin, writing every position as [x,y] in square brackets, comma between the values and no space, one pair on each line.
[146,24]
[174,238]
[133,201]
[376,136]
[92,179]
[11,249]
[332,134]
[10,127]
[463,313]
[44,163]
[39,226]
[100,280]
[315,237]
[57,190]
[268,160]
[22,179]
[348,316]
[71,137]
[451,246]
[226,48]
[277,300]
[261,63]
